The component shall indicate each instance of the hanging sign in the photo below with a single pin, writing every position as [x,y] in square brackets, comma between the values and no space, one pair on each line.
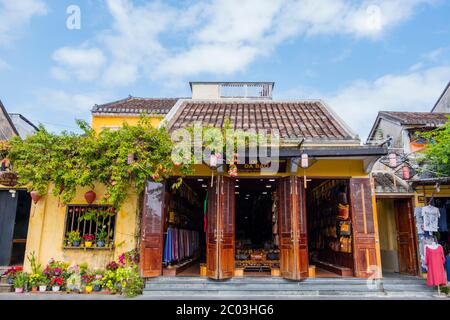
[258,166]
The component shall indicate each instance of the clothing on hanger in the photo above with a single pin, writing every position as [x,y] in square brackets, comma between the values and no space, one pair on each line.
[435,262]
[447,266]
[419,220]
[430,216]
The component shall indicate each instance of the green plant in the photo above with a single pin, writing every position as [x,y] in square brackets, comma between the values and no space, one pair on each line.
[35,267]
[109,280]
[130,282]
[445,290]
[68,160]
[103,234]
[73,236]
[20,280]
[437,153]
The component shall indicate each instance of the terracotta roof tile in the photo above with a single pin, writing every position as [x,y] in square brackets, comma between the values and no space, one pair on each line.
[416,118]
[294,120]
[134,105]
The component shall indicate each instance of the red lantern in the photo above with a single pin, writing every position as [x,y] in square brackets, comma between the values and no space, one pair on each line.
[406,173]
[90,196]
[35,196]
[392,160]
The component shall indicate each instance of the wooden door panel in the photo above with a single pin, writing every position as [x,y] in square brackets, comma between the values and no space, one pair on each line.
[226,227]
[364,239]
[152,229]
[212,232]
[293,230]
[8,208]
[405,237]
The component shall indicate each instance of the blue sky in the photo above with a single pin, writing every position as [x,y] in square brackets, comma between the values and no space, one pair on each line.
[358,56]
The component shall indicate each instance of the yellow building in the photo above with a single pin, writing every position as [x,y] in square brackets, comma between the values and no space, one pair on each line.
[317,209]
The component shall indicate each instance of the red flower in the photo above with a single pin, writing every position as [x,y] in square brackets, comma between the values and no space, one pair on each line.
[57,281]
[88,237]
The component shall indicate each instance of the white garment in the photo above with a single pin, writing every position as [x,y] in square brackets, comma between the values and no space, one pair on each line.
[430,216]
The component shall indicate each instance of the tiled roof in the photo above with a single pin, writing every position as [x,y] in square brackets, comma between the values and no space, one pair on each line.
[134,105]
[294,120]
[384,183]
[416,118]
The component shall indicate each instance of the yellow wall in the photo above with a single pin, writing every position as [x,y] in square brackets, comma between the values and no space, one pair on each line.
[101,122]
[46,231]
[321,168]
[430,192]
[387,231]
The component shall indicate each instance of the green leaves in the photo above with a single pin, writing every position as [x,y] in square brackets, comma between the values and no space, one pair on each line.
[69,160]
[437,153]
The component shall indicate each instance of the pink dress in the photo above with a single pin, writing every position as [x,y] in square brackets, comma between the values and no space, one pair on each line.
[435,261]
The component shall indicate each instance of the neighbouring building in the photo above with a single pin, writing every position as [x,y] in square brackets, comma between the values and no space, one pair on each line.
[15,202]
[400,187]
[317,212]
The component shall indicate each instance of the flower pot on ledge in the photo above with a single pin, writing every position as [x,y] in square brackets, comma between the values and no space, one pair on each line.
[88,244]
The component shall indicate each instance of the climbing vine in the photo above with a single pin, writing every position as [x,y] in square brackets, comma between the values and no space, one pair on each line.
[69,160]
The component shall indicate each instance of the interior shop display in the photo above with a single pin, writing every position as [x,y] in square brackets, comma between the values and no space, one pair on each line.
[329,223]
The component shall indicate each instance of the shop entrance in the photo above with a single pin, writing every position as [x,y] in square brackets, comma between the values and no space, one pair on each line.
[184,250]
[330,227]
[256,231]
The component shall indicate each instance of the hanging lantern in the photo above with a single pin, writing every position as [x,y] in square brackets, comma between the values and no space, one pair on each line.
[304,163]
[213,161]
[90,196]
[35,196]
[392,160]
[406,173]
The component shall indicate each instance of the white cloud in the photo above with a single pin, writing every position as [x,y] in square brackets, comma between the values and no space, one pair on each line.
[359,102]
[15,14]
[225,36]
[84,63]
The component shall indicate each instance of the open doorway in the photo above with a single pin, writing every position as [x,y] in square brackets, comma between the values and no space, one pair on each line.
[397,236]
[256,227]
[14,218]
[329,227]
[184,246]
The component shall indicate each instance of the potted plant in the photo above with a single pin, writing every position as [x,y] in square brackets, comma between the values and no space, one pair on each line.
[10,274]
[74,238]
[34,281]
[20,281]
[87,280]
[56,283]
[101,237]
[88,238]
[43,283]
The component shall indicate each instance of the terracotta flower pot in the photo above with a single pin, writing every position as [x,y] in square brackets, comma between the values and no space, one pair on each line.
[35,196]
[34,289]
[90,196]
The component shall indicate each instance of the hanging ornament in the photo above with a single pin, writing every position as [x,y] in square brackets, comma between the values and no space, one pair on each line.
[35,196]
[392,160]
[214,160]
[406,173]
[304,161]
[90,196]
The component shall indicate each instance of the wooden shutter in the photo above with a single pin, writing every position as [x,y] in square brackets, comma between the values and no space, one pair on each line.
[226,227]
[407,255]
[292,224]
[152,229]
[212,255]
[364,233]
[302,229]
[8,208]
